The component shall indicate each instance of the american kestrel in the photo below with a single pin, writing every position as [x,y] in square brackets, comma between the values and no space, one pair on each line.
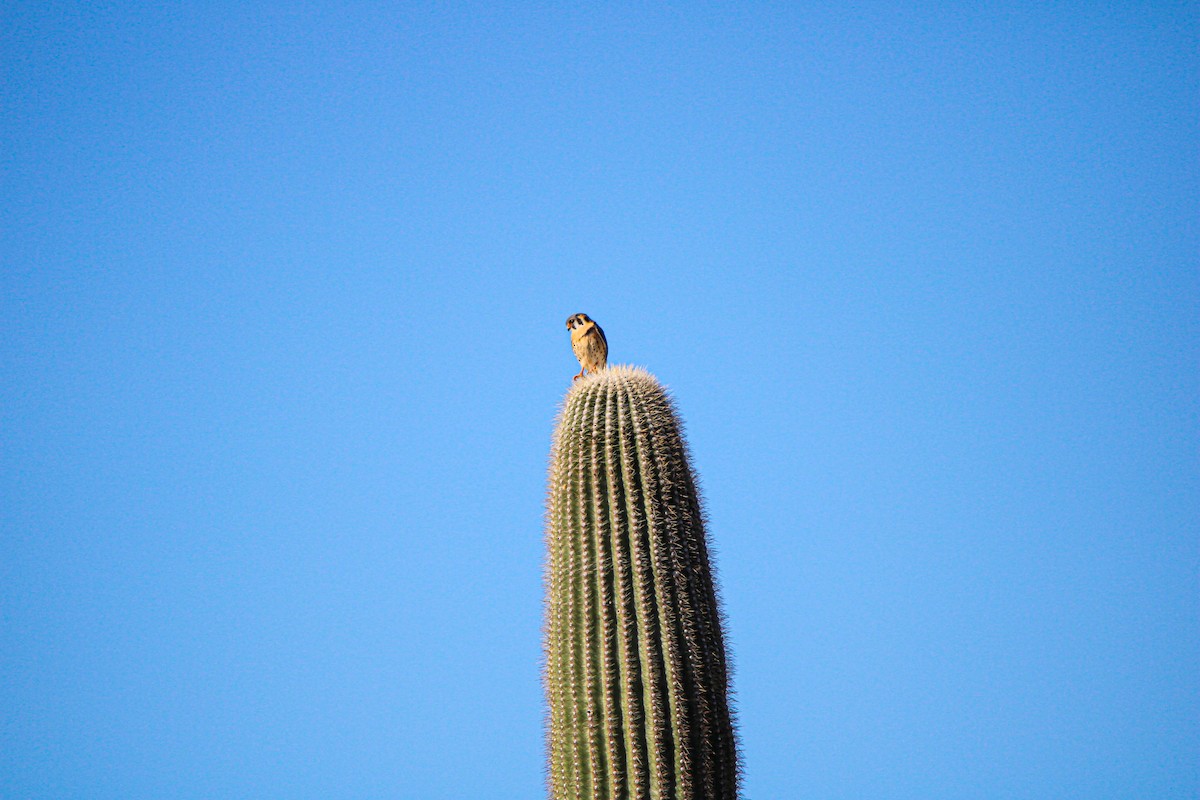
[589,344]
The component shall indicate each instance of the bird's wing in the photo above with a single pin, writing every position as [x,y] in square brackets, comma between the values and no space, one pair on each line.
[600,332]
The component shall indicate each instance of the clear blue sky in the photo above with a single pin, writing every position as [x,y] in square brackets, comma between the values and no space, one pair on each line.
[282,342]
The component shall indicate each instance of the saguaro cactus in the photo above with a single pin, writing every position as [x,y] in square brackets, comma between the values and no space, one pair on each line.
[635,671]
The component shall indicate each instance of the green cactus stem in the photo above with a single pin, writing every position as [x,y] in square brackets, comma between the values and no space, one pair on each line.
[636,673]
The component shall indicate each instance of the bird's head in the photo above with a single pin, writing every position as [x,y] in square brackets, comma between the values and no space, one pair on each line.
[576,320]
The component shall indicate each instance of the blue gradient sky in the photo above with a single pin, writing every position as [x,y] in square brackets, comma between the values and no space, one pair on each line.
[281,330]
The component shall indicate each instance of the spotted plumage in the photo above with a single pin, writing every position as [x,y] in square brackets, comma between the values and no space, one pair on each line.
[589,344]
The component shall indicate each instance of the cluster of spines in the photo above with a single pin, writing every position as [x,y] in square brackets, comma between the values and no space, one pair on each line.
[636,671]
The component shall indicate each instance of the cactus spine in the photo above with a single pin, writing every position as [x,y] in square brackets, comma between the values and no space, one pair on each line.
[635,672]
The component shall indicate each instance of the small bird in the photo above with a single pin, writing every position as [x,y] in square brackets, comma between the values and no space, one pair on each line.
[589,344]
